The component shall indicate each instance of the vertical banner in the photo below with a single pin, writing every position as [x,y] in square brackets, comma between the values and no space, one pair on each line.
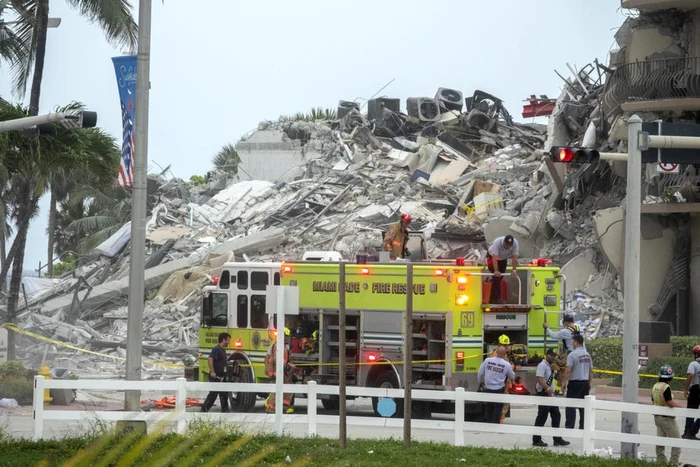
[125,68]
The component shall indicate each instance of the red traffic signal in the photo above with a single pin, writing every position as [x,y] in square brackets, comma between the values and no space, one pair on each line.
[565,154]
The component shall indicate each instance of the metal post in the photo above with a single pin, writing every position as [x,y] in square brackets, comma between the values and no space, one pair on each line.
[279,363]
[134,333]
[342,409]
[408,355]
[630,380]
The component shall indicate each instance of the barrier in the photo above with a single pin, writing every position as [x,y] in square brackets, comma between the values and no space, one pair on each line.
[180,416]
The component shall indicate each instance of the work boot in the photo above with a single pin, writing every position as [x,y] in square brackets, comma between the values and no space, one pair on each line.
[539,444]
[204,409]
[560,442]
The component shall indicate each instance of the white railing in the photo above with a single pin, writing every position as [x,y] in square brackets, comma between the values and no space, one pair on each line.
[180,416]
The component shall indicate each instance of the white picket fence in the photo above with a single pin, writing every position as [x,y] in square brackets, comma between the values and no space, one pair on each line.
[181,388]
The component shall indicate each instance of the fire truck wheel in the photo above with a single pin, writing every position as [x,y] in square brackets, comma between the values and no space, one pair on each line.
[242,401]
[387,380]
[330,404]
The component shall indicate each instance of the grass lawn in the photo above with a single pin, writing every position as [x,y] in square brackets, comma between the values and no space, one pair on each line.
[209,445]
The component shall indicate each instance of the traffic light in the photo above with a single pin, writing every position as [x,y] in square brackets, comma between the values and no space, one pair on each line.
[72,120]
[566,154]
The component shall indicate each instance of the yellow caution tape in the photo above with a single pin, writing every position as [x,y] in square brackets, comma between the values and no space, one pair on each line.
[12,327]
[470,211]
[610,372]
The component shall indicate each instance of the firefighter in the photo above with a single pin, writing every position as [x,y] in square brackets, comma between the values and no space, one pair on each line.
[500,250]
[271,372]
[662,396]
[692,394]
[545,377]
[566,335]
[493,374]
[396,237]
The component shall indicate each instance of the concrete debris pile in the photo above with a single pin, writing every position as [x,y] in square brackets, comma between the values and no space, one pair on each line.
[465,173]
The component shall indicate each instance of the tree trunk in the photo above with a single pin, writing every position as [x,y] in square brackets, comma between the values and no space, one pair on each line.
[8,262]
[27,204]
[42,26]
[51,233]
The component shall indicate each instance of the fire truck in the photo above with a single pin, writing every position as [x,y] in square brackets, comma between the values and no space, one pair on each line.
[453,328]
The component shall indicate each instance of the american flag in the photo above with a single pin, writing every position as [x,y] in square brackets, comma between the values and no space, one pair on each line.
[126,167]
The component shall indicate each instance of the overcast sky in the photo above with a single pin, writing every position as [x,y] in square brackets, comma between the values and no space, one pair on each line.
[222,66]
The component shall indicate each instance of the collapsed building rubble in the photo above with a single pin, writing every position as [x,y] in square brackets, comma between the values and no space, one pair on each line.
[465,173]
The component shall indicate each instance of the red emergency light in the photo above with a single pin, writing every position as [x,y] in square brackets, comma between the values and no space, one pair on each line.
[287,269]
[239,343]
[371,357]
[565,155]
[459,262]
[215,280]
[364,271]
[439,272]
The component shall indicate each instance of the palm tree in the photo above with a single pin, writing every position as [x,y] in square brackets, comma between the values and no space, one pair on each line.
[227,159]
[104,156]
[114,17]
[30,161]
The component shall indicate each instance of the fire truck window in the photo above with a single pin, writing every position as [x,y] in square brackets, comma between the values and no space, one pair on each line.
[219,310]
[242,280]
[277,278]
[225,280]
[242,311]
[258,280]
[258,316]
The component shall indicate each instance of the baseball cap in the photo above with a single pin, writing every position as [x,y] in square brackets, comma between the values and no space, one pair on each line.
[568,318]
[551,352]
[508,240]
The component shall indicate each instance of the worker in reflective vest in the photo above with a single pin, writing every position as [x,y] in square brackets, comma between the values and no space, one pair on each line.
[662,396]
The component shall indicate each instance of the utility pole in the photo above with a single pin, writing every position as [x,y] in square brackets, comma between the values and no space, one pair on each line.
[342,383]
[134,336]
[408,356]
[630,379]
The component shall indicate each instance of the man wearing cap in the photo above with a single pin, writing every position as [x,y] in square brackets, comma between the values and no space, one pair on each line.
[493,374]
[565,334]
[544,387]
[396,237]
[500,250]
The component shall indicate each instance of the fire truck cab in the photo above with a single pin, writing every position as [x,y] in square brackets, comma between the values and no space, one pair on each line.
[453,326]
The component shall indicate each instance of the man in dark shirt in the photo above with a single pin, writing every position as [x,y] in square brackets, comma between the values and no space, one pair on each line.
[217,371]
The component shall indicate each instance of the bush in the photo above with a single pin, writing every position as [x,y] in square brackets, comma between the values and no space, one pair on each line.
[679,365]
[20,389]
[606,353]
[683,346]
[15,369]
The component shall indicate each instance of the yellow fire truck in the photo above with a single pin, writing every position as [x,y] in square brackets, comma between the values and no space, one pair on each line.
[454,328]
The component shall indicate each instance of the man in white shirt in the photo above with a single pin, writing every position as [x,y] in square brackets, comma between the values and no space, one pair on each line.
[692,394]
[497,256]
[545,388]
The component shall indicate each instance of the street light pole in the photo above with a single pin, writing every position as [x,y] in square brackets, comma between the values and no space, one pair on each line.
[134,336]
[630,381]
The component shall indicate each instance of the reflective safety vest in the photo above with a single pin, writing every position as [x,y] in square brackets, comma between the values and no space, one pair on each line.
[574,330]
[657,394]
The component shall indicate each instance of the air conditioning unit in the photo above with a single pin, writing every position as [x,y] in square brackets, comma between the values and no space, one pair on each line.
[450,99]
[344,108]
[375,107]
[423,109]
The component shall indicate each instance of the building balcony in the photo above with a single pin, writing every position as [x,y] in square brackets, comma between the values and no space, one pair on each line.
[661,4]
[656,86]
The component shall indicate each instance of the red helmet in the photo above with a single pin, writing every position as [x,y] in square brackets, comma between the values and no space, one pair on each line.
[406,218]
[696,349]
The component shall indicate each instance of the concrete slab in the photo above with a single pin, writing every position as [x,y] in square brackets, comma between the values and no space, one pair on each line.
[154,277]
[610,229]
[578,270]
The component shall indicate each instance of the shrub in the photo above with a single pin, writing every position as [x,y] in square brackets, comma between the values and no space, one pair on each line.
[683,345]
[606,353]
[15,369]
[19,389]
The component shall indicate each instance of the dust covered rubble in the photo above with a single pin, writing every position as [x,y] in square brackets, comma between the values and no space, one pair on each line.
[464,181]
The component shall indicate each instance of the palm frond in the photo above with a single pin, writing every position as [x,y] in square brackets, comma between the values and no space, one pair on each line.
[91,224]
[114,17]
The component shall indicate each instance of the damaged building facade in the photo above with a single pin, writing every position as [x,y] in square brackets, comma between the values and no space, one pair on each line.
[458,163]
